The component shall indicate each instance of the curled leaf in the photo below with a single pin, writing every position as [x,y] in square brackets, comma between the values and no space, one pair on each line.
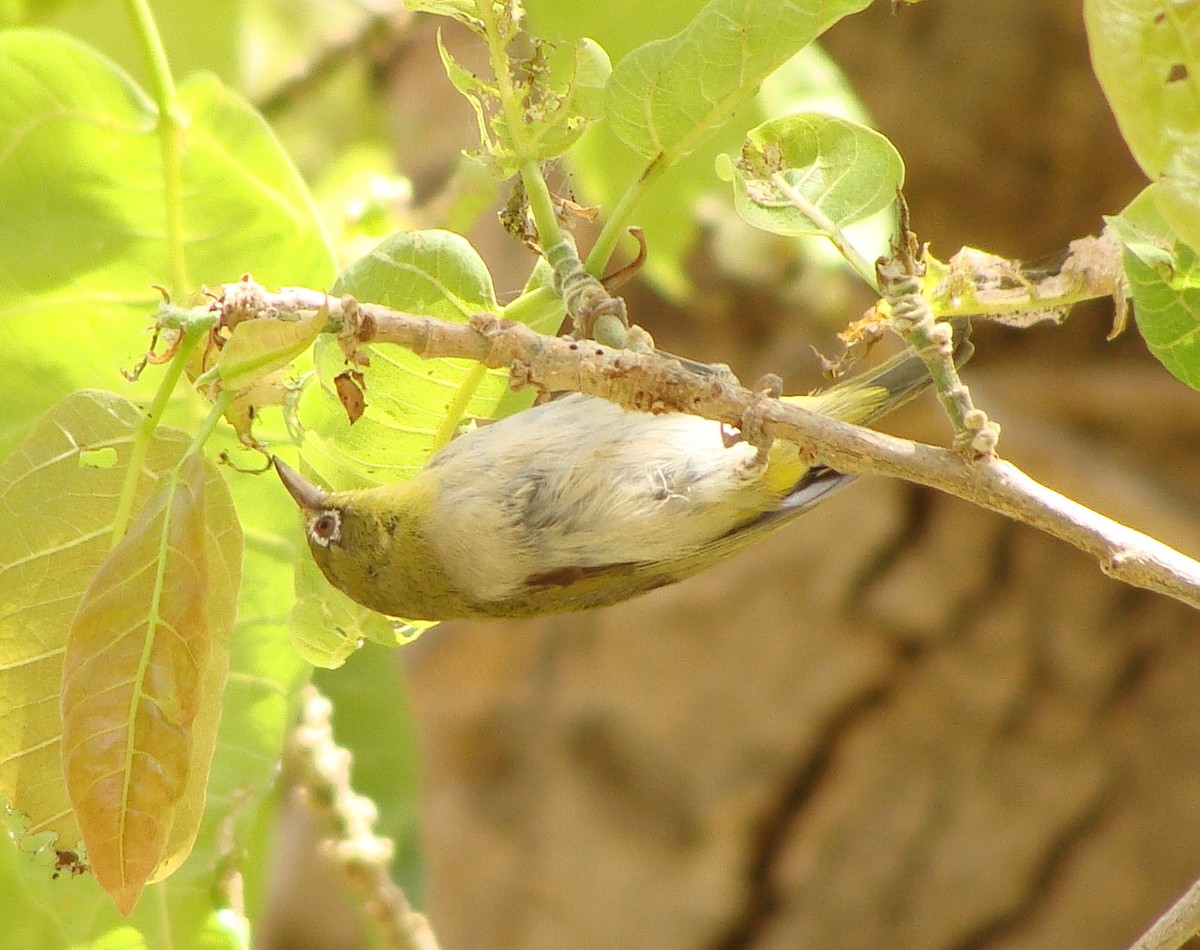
[1163,276]
[349,386]
[259,347]
[843,169]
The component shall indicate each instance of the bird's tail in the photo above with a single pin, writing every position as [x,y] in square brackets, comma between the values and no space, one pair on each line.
[875,392]
[863,398]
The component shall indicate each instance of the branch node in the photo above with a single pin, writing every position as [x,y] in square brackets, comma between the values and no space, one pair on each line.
[979,435]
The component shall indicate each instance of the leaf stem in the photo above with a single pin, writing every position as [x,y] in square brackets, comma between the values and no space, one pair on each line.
[541,205]
[498,60]
[540,307]
[614,226]
[829,229]
[458,405]
[220,404]
[192,335]
[170,139]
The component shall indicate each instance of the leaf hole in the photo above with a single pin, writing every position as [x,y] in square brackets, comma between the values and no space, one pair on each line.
[98,458]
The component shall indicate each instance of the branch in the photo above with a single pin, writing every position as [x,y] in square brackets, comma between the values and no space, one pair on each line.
[1177,926]
[656,383]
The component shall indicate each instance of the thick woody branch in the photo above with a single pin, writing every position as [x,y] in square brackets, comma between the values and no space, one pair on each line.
[656,383]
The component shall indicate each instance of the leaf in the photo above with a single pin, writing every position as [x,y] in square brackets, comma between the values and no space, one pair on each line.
[410,403]
[1143,53]
[91,337]
[58,515]
[136,674]
[568,96]
[1178,192]
[83,231]
[1164,281]
[83,191]
[845,170]
[603,167]
[470,86]
[326,626]
[461,10]
[259,701]
[262,346]
[668,96]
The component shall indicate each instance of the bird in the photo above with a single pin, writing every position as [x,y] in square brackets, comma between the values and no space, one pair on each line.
[577,503]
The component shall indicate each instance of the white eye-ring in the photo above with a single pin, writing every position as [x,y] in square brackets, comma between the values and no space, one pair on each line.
[325,528]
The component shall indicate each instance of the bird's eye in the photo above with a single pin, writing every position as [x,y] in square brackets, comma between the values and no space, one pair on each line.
[326,528]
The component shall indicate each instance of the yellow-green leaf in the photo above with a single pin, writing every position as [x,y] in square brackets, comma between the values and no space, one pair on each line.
[259,347]
[136,660]
[58,516]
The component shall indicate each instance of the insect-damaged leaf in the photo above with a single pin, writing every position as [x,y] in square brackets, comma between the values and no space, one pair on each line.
[843,169]
[58,511]
[137,658]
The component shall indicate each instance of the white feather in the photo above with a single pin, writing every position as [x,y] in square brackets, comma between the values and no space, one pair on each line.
[584,483]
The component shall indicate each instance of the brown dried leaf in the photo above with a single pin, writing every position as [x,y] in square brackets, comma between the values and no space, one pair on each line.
[349,386]
[136,657]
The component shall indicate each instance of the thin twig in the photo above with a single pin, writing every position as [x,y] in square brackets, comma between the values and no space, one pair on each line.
[900,278]
[655,383]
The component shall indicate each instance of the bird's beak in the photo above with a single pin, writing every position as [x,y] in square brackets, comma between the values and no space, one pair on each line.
[307,495]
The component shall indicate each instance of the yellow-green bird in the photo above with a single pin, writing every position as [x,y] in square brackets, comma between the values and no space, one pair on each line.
[575,503]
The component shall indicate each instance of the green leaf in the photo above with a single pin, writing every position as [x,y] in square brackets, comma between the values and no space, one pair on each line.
[1164,281]
[811,81]
[603,166]
[668,96]
[84,195]
[326,626]
[569,95]
[462,11]
[1178,192]
[845,170]
[79,136]
[1143,53]
[471,87]
[122,938]
[195,36]
[244,200]
[83,235]
[143,670]
[413,405]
